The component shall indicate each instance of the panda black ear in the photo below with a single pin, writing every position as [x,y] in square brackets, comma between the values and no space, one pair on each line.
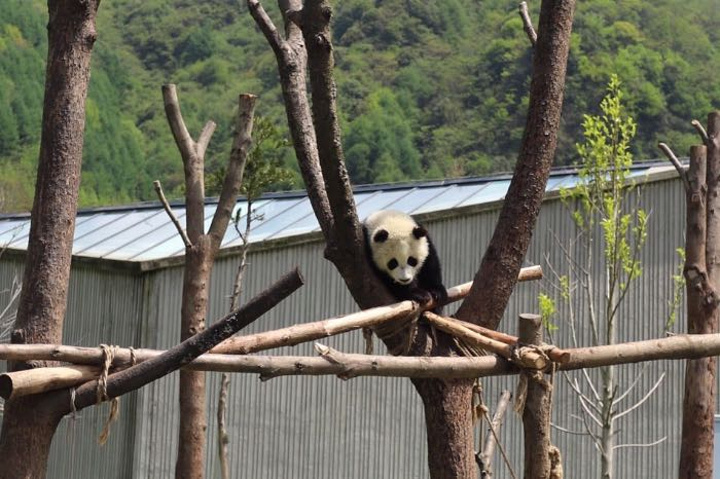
[419,232]
[380,236]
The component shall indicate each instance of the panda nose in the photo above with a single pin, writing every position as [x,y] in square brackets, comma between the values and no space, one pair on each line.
[405,275]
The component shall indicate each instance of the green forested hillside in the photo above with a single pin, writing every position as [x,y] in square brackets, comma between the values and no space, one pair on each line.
[427,89]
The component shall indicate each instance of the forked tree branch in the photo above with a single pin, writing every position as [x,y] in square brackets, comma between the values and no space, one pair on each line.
[291,57]
[193,162]
[346,236]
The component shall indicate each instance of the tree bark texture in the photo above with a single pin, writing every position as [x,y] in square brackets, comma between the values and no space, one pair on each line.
[193,421]
[449,425]
[496,278]
[27,431]
[702,274]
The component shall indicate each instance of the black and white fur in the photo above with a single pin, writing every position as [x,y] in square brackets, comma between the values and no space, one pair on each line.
[404,257]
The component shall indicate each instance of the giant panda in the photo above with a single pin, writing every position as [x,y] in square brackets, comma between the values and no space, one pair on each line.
[404,257]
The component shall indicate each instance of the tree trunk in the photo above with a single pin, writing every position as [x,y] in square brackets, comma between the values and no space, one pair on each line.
[193,423]
[698,433]
[449,427]
[27,432]
[607,436]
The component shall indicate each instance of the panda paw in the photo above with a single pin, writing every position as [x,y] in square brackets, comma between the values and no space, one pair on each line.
[421,297]
[440,296]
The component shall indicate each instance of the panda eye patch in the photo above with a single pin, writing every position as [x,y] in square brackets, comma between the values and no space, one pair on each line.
[392,264]
[412,261]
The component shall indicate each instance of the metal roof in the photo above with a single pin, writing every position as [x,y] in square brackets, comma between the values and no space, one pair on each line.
[143,232]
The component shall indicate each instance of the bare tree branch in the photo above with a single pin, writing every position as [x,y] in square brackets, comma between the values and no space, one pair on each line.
[596,439]
[701,131]
[527,23]
[193,164]
[267,27]
[643,400]
[650,444]
[291,57]
[235,168]
[569,431]
[204,138]
[575,386]
[588,412]
[315,23]
[486,456]
[676,163]
[173,218]
[591,384]
[631,387]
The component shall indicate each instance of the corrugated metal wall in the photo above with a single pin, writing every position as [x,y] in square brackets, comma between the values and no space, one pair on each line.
[367,427]
[103,307]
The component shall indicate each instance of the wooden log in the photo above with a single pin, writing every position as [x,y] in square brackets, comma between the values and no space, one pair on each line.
[530,273]
[529,359]
[675,347]
[469,336]
[556,354]
[301,333]
[34,381]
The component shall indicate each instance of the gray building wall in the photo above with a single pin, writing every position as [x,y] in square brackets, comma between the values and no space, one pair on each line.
[367,427]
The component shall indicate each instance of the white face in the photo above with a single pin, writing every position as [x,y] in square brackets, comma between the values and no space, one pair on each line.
[400,258]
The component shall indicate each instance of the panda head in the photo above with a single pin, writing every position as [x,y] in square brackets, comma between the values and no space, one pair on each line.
[399,246]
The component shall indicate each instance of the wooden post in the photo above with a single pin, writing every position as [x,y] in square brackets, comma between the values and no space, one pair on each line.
[702,275]
[537,405]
